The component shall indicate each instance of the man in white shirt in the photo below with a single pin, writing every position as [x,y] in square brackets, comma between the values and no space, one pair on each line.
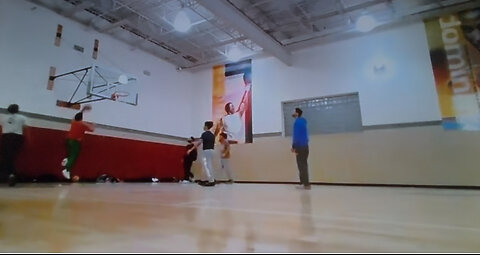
[232,124]
[11,141]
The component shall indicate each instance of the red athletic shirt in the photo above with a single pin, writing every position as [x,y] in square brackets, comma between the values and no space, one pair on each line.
[77,130]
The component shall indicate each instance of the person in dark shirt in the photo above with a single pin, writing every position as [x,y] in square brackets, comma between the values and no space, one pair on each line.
[188,159]
[300,146]
[208,141]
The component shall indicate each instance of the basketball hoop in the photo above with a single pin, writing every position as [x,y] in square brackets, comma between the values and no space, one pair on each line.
[94,83]
[116,95]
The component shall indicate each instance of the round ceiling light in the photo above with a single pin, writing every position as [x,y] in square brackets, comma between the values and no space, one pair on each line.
[182,22]
[365,23]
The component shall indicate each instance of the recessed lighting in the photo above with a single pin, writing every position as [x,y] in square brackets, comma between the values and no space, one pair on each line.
[234,54]
[365,23]
[182,22]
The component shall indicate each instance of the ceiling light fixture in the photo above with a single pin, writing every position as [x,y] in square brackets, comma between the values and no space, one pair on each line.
[182,23]
[234,54]
[365,23]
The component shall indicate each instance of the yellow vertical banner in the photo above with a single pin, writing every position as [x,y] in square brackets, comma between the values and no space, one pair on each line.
[454,43]
[217,93]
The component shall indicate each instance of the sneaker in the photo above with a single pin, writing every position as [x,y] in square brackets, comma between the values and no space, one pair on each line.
[64,162]
[66,174]
[185,181]
[206,184]
[11,180]
[210,184]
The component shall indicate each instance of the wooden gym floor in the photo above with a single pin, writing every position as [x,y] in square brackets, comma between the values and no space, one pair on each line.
[236,218]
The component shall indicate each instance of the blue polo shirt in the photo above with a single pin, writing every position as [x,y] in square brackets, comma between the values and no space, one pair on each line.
[300,134]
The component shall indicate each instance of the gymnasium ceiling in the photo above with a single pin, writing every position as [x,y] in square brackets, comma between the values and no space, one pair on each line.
[254,27]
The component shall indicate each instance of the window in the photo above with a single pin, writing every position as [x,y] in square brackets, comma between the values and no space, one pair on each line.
[326,115]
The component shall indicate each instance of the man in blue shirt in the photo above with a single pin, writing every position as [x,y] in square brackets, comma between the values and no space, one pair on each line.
[300,146]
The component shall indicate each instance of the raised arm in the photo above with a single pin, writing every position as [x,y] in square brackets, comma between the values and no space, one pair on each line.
[195,146]
[86,107]
[244,102]
[218,128]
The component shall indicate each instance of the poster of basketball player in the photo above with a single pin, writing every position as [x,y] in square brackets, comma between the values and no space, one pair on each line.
[454,42]
[232,97]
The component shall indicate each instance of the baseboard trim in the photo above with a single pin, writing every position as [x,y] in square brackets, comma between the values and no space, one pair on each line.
[404,125]
[371,185]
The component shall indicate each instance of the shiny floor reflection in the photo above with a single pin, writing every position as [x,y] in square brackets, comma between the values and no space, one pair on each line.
[236,218]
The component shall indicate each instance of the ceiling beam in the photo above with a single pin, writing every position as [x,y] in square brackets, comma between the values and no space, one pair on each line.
[109,27]
[344,11]
[229,14]
[80,7]
[396,22]
[223,43]
[221,60]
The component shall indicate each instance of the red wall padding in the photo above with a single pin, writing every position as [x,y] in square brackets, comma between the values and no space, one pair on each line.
[123,158]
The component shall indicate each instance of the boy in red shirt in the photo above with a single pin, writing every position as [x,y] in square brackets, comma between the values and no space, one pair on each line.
[74,140]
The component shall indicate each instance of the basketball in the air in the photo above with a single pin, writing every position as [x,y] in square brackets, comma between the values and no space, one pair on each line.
[75,178]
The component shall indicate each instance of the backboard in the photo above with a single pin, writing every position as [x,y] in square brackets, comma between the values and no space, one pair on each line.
[108,83]
[94,83]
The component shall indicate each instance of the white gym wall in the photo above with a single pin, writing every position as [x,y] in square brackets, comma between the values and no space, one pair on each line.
[404,93]
[27,51]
